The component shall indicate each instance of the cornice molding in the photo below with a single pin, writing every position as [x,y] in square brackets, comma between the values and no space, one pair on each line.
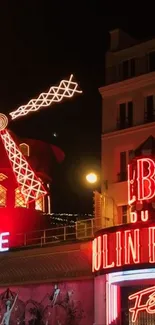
[127,85]
[139,128]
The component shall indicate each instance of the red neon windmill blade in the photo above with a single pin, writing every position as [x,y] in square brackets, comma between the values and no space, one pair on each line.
[30,185]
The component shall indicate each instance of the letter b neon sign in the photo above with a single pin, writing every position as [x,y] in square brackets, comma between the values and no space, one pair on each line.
[141,180]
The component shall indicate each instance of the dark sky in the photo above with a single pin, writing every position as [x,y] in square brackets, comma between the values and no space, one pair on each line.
[39,47]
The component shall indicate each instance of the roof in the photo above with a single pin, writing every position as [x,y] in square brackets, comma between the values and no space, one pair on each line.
[147,145]
[42,156]
[50,264]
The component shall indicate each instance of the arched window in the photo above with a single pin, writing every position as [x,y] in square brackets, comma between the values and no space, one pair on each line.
[19,199]
[25,149]
[39,204]
[3,193]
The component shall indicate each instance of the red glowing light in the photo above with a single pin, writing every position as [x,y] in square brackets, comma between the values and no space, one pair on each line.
[31,186]
[106,264]
[132,247]
[148,306]
[118,249]
[145,178]
[96,254]
[141,180]
[123,247]
[131,185]
[152,245]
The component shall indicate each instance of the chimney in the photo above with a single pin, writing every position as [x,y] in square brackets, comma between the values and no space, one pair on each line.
[120,40]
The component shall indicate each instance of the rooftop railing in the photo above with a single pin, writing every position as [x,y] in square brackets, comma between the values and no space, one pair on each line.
[81,230]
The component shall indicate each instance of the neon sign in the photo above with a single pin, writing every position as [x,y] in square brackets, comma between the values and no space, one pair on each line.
[144,301]
[123,247]
[141,188]
[4,241]
[141,180]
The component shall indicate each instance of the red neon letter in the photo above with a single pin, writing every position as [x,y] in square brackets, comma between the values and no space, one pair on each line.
[3,241]
[148,304]
[151,244]
[105,253]
[118,249]
[96,256]
[145,179]
[132,247]
[131,182]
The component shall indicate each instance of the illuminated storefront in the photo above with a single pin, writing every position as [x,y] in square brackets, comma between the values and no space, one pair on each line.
[123,257]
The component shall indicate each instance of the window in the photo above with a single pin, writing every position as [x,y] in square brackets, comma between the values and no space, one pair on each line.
[39,204]
[2,177]
[24,148]
[149,112]
[124,214]
[123,167]
[19,199]
[152,61]
[127,69]
[3,193]
[125,115]
[130,155]
[125,157]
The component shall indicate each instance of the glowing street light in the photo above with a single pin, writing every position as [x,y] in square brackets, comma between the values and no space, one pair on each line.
[91,178]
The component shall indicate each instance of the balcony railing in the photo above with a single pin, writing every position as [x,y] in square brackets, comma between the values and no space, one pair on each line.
[124,124]
[149,118]
[82,230]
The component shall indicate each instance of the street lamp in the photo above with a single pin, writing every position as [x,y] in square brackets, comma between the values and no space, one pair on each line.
[91,178]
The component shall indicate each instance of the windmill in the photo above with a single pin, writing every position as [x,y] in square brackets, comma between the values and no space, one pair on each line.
[30,184]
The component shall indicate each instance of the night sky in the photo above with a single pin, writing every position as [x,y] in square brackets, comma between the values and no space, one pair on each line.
[40,46]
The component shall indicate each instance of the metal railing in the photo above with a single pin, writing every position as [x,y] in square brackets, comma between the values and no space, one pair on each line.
[81,230]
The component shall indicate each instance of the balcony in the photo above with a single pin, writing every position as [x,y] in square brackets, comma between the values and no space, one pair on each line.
[124,124]
[149,119]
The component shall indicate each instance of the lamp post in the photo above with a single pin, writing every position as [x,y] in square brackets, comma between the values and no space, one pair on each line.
[104,205]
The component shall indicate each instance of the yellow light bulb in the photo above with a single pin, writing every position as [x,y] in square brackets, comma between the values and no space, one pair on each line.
[91,178]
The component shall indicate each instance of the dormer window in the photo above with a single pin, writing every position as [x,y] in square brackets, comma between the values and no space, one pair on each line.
[25,149]
[127,69]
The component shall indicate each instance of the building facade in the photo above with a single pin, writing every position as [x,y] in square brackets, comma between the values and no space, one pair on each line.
[123,260]
[128,116]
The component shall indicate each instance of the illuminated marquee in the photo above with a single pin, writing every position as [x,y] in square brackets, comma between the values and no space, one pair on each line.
[123,247]
[144,300]
[132,244]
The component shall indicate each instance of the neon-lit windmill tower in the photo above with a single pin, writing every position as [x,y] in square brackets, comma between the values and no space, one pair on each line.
[29,186]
